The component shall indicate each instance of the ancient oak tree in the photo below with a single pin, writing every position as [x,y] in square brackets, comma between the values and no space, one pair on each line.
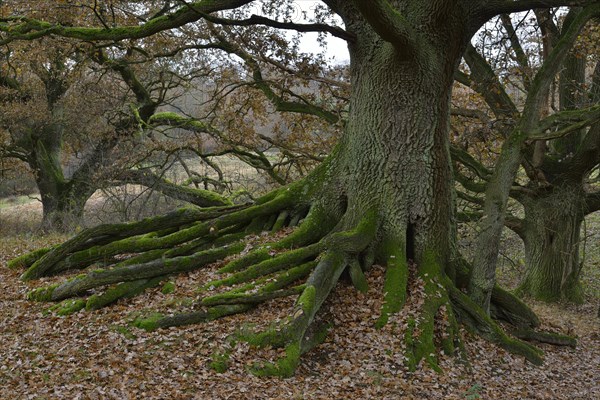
[383,196]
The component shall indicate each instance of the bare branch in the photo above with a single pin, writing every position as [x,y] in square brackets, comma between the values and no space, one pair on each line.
[258,20]
[553,127]
[515,43]
[460,155]
[277,101]
[545,76]
[496,7]
[485,82]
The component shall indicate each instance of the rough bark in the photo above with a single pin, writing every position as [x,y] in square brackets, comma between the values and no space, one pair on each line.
[63,200]
[551,233]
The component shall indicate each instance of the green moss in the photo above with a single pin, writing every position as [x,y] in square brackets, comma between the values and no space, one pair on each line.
[410,362]
[287,365]
[252,258]
[68,307]
[168,287]
[42,294]
[355,240]
[307,299]
[94,302]
[124,289]
[149,322]
[451,337]
[358,277]
[123,330]
[396,279]
[220,362]
[26,260]
[76,277]
[219,366]
[276,335]
[269,266]
[284,368]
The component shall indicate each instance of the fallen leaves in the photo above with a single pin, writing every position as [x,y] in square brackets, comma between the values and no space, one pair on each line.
[95,355]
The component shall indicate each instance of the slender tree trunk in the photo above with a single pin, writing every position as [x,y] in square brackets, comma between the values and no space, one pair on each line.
[551,236]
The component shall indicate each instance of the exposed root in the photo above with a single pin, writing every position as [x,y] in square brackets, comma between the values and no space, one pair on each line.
[544,337]
[120,291]
[106,234]
[292,332]
[480,323]
[156,320]
[396,280]
[307,263]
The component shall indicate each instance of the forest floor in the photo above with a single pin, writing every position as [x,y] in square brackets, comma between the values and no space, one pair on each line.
[97,355]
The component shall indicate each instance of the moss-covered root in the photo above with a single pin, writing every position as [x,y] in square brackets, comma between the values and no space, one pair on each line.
[76,252]
[294,331]
[357,276]
[252,298]
[26,260]
[156,320]
[68,307]
[107,233]
[435,315]
[396,280]
[316,226]
[272,264]
[480,323]
[148,270]
[122,290]
[507,307]
[544,337]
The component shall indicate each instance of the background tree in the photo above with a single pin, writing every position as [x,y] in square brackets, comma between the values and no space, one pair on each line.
[142,77]
[557,158]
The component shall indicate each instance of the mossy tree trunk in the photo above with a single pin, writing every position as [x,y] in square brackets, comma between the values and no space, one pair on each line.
[63,200]
[551,233]
[394,155]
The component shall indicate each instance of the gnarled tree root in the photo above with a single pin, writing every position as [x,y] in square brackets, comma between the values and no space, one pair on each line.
[307,263]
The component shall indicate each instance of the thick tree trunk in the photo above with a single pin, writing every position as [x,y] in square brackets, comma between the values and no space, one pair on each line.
[394,155]
[551,235]
[63,209]
[63,201]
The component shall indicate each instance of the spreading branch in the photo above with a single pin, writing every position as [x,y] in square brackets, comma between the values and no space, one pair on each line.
[553,127]
[485,82]
[492,8]
[280,103]
[23,28]
[468,161]
[198,197]
[515,43]
[259,20]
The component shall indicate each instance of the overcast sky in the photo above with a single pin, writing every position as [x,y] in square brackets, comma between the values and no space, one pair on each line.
[336,48]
